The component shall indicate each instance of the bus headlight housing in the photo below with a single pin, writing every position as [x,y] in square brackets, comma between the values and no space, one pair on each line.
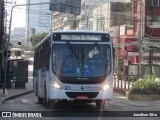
[106,86]
[56,85]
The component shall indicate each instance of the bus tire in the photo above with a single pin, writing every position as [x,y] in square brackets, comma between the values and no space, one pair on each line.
[47,102]
[40,100]
[100,104]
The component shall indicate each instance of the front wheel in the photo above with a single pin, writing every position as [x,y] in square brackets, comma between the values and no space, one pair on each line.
[100,104]
[40,100]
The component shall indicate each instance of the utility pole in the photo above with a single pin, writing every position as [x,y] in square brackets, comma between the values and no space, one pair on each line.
[1,22]
[2,38]
[28,31]
[51,21]
[119,70]
[140,40]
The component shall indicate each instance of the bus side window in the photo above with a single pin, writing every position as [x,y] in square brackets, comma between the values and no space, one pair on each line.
[113,54]
[48,57]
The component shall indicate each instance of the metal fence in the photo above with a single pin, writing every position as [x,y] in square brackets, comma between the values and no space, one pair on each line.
[152,69]
[130,74]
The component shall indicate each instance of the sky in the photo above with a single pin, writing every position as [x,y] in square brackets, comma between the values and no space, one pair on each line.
[18,19]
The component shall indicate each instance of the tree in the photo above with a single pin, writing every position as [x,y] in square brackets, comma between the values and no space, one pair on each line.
[35,39]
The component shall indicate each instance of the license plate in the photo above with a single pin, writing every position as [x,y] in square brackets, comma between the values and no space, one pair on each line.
[82,97]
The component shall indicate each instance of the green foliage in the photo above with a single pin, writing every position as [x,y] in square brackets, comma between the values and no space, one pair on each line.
[146,86]
[35,39]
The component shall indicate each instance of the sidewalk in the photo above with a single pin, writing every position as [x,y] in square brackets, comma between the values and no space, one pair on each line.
[17,92]
[14,92]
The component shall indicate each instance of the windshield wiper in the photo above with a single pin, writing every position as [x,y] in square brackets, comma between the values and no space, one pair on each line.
[72,50]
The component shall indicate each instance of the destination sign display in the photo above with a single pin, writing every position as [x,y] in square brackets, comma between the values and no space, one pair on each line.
[98,37]
[81,37]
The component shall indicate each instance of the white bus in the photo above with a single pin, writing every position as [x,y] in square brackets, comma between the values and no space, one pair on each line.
[74,65]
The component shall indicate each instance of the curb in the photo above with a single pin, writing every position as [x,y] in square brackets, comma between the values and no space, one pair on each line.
[15,96]
[143,97]
[121,91]
[136,96]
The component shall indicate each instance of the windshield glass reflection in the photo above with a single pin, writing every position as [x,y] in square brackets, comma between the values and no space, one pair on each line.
[91,60]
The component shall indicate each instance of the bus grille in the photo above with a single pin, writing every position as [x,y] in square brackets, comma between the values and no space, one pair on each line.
[88,94]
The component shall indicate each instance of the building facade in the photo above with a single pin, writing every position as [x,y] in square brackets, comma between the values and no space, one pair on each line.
[18,37]
[85,19]
[150,20]
[63,21]
[106,15]
[38,18]
[147,25]
[152,17]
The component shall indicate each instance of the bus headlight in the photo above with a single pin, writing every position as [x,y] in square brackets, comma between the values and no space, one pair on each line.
[56,85]
[106,86]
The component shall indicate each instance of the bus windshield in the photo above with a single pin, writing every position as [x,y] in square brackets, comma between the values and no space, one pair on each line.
[81,60]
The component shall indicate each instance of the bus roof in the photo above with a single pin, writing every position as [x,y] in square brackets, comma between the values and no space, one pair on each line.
[70,31]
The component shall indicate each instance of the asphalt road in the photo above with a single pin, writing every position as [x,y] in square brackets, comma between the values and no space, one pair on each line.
[120,108]
[116,108]
[118,103]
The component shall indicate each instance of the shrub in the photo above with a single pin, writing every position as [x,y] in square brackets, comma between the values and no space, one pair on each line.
[146,86]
